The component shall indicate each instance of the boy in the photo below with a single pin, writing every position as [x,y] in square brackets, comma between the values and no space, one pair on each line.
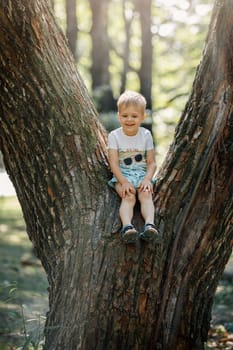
[132,161]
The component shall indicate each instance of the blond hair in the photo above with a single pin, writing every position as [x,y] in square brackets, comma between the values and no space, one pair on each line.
[131,98]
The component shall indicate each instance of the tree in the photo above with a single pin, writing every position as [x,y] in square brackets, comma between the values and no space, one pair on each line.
[127,30]
[100,55]
[145,72]
[71,26]
[103,294]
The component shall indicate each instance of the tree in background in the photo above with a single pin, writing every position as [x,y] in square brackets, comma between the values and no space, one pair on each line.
[100,74]
[169,26]
[72,26]
[145,72]
[101,292]
[127,15]
[101,46]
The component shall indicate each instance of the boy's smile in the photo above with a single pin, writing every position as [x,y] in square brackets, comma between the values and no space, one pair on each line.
[130,118]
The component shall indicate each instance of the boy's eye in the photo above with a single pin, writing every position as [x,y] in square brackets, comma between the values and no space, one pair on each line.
[126,116]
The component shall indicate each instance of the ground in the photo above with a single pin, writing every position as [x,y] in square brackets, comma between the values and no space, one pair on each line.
[24,297]
[23,284]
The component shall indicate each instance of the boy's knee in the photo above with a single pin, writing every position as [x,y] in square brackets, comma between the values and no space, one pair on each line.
[131,197]
[144,196]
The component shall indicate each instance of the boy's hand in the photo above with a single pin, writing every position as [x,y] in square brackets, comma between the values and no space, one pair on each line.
[146,186]
[127,188]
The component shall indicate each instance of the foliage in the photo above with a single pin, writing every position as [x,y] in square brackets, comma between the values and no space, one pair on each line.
[219,338]
[175,56]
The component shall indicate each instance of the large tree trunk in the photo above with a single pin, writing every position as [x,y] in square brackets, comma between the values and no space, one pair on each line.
[103,294]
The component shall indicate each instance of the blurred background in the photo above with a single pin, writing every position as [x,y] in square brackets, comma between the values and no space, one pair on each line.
[151,46]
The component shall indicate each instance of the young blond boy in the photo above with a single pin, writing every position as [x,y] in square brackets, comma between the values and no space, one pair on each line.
[132,161]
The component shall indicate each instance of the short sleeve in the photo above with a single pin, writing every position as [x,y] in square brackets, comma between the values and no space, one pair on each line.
[149,141]
[112,141]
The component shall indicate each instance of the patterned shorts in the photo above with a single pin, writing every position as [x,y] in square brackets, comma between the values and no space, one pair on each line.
[133,175]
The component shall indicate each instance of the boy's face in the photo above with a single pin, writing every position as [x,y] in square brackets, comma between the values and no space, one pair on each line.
[130,118]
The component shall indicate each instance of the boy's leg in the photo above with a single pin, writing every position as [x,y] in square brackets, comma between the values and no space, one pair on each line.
[126,207]
[147,206]
[128,233]
[149,232]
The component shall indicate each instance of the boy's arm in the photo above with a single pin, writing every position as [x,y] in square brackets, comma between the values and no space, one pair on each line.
[114,165]
[150,164]
[126,186]
[146,184]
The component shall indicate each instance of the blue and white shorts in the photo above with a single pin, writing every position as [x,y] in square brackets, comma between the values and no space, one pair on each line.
[134,175]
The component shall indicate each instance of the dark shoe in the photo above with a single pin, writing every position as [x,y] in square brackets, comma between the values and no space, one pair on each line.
[150,233]
[129,234]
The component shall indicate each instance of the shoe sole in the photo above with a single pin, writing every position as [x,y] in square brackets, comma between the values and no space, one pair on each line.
[150,235]
[130,236]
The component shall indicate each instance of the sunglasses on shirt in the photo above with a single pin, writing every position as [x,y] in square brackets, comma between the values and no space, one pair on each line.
[129,160]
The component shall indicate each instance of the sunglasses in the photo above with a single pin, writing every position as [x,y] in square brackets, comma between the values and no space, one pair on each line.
[129,161]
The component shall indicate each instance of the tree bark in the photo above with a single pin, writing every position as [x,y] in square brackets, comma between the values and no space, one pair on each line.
[102,293]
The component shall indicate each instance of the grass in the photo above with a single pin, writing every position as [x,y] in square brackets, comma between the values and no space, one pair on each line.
[23,284]
[23,288]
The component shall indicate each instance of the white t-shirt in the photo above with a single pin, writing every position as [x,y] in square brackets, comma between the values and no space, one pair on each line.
[131,149]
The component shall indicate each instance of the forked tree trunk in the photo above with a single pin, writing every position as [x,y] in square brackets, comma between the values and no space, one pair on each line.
[103,294]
